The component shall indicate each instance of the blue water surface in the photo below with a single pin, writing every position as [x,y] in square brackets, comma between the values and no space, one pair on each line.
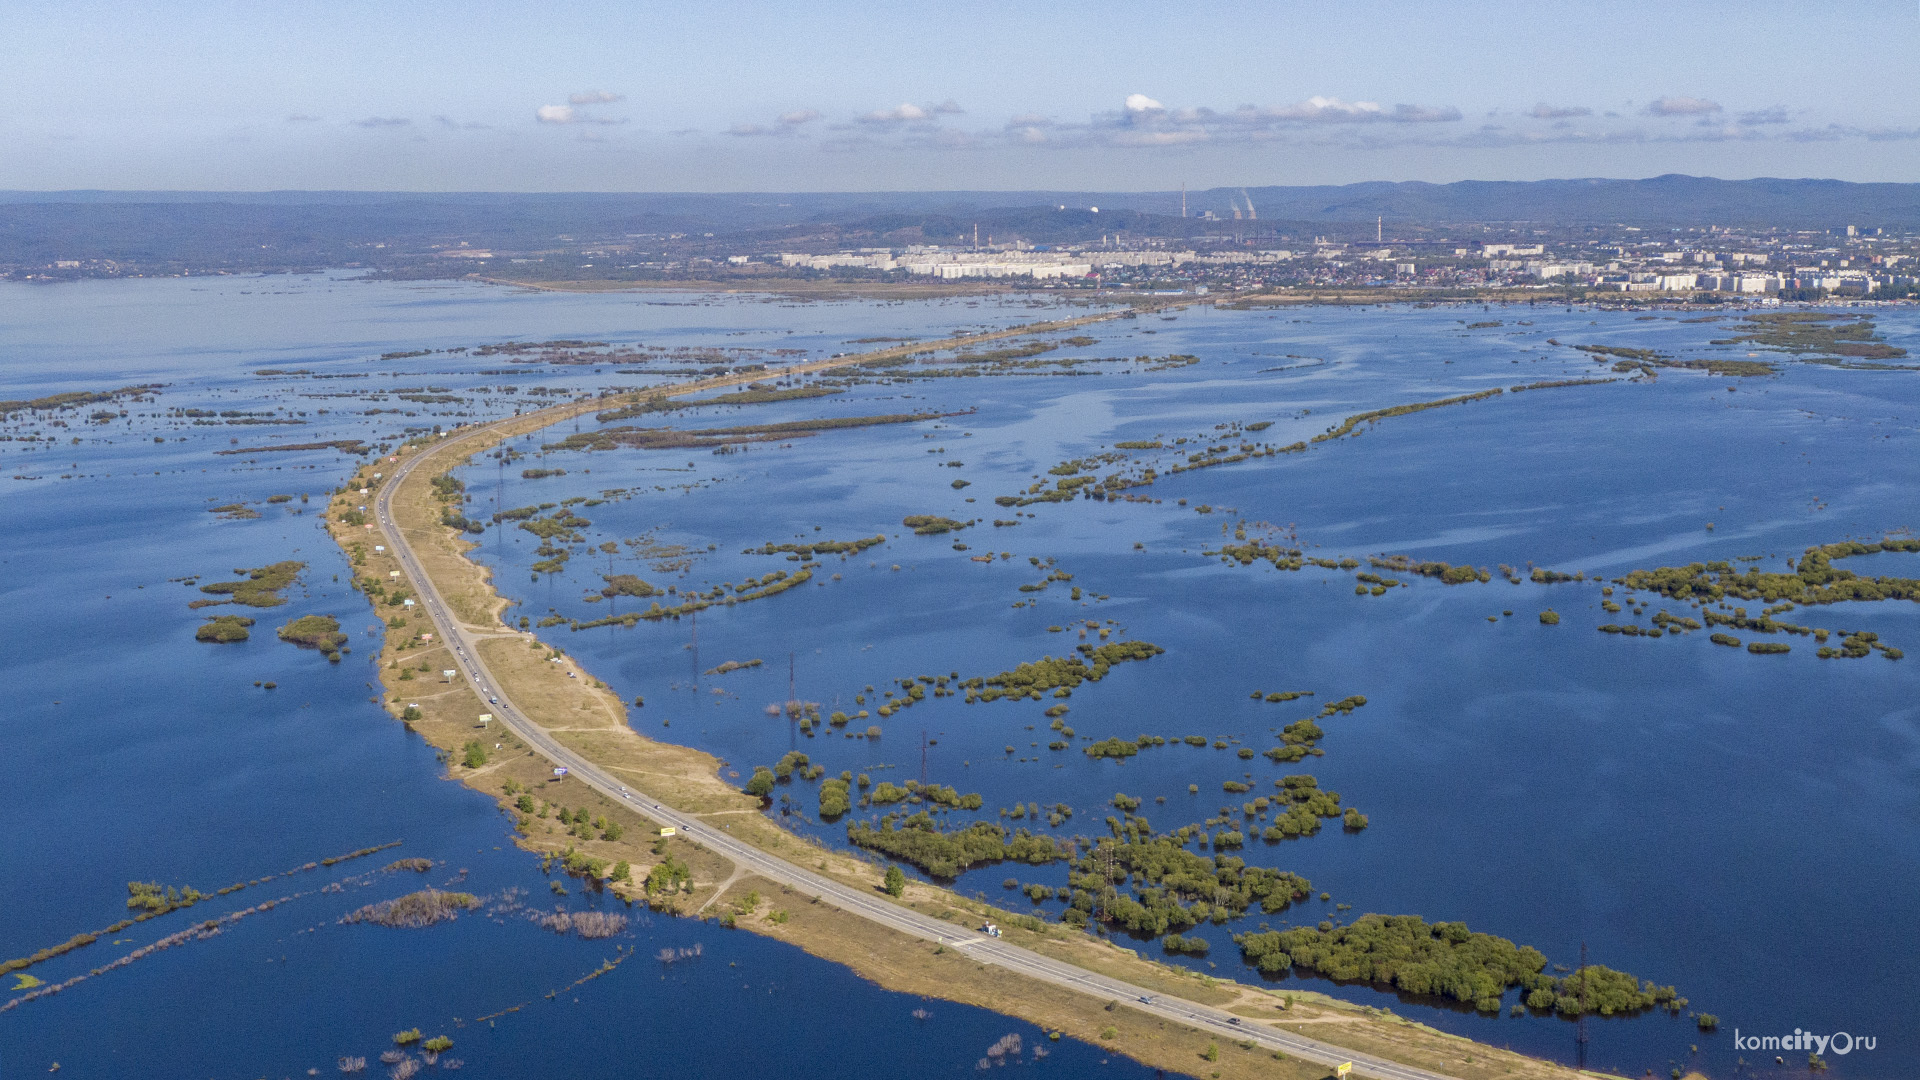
[1741,827]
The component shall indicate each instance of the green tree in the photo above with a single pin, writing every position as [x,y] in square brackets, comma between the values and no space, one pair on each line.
[476,754]
[896,881]
[761,784]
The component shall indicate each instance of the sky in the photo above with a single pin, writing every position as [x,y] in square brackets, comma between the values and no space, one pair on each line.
[731,95]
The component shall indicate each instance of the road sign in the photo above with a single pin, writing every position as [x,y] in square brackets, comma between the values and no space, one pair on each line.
[486,718]
[1343,1070]
[448,674]
[560,772]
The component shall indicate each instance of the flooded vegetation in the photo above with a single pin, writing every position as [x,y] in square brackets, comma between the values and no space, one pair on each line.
[415,910]
[1136,487]
[260,588]
[321,632]
[1814,332]
[1447,960]
[714,438]
[223,629]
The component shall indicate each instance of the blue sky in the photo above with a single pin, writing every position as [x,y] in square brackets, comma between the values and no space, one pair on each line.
[1118,95]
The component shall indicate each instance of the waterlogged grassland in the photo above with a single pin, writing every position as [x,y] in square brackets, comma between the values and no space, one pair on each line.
[893,960]
[1448,960]
[714,438]
[1818,333]
[260,588]
[1814,582]
[1283,804]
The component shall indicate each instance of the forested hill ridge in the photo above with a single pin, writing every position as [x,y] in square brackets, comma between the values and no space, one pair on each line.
[101,232]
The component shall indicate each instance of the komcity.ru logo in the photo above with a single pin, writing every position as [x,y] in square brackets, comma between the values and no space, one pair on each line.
[1839,1042]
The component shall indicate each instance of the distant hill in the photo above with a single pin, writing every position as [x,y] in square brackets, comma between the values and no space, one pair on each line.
[290,229]
[1661,200]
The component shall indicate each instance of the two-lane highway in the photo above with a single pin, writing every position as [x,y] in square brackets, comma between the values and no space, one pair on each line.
[866,903]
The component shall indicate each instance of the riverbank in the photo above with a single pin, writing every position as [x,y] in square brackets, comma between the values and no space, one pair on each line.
[564,699]
[794,288]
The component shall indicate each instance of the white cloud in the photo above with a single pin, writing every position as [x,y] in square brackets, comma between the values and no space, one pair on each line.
[594,97]
[1333,110]
[567,114]
[302,118]
[383,122]
[1319,109]
[1682,106]
[1322,121]
[948,107]
[899,114]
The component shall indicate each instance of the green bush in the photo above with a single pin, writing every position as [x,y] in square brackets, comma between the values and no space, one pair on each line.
[761,783]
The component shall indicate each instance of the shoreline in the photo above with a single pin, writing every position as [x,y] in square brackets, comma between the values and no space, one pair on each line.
[689,781]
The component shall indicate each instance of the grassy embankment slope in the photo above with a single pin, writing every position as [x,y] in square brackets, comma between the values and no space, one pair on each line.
[593,721]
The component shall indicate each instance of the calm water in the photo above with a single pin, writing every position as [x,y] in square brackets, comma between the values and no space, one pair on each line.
[1741,827]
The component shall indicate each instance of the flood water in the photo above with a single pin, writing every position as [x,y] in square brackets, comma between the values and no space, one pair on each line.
[1742,827]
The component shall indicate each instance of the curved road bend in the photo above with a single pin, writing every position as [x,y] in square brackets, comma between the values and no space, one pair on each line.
[853,900]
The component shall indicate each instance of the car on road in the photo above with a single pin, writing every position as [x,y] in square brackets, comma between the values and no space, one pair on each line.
[1233,1020]
[493,701]
[1145,1000]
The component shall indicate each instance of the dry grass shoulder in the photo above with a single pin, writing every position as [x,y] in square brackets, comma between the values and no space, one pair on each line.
[912,966]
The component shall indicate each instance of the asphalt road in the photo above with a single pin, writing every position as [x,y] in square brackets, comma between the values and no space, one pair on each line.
[866,903]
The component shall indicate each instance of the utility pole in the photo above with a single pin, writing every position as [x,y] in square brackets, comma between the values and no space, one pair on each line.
[1580,1033]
